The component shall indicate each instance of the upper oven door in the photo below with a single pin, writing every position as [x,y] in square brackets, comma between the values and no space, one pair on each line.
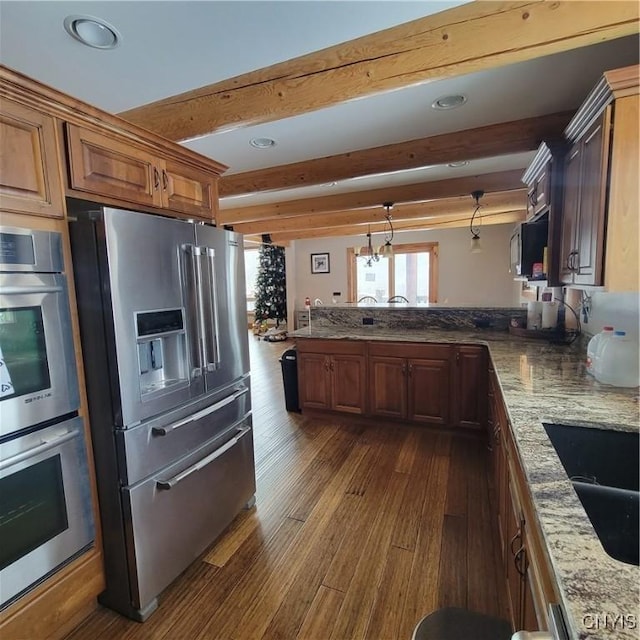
[38,378]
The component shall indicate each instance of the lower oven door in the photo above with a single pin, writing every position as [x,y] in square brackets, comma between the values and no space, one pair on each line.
[46,516]
[38,378]
[179,512]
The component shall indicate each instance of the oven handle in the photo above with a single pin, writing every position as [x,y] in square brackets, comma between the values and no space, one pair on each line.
[164,431]
[172,482]
[33,451]
[9,291]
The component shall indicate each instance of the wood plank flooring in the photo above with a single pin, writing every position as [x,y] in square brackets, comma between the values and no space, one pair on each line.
[359,530]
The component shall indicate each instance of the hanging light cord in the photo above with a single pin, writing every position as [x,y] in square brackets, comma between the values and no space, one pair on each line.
[475,231]
[388,239]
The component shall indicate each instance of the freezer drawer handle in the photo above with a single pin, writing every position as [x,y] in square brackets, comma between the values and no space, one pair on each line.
[172,482]
[45,446]
[164,431]
[12,291]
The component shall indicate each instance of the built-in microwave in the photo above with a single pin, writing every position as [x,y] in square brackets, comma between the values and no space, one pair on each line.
[527,247]
[38,377]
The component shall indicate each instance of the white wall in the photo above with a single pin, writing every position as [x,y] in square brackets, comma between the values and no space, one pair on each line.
[621,310]
[464,278]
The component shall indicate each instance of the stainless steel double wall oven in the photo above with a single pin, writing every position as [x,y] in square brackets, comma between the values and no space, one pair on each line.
[164,332]
[45,503]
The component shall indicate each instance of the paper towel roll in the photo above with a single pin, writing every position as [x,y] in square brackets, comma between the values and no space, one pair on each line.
[534,315]
[549,315]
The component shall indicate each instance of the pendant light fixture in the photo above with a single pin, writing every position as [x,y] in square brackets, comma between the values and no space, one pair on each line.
[386,249]
[476,247]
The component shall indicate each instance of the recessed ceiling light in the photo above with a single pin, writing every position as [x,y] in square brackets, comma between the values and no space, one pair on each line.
[94,32]
[262,143]
[459,163]
[449,102]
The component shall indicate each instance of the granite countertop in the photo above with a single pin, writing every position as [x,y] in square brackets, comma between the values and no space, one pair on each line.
[548,383]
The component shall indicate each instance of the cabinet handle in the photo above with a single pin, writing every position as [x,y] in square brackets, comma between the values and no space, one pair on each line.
[575,264]
[156,178]
[410,369]
[517,559]
[516,536]
[326,364]
[457,356]
[165,180]
[331,365]
[404,368]
[533,196]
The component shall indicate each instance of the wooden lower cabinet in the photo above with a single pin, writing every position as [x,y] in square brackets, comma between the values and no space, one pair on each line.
[525,566]
[410,381]
[332,375]
[469,393]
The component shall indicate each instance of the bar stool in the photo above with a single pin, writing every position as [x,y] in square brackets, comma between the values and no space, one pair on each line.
[452,623]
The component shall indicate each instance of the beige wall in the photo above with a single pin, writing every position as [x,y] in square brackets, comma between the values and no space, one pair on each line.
[464,278]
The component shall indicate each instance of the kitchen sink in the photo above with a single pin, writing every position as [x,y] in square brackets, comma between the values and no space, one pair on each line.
[603,466]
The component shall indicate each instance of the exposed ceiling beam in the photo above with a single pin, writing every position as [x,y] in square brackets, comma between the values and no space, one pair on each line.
[420,192]
[465,39]
[491,203]
[443,222]
[470,144]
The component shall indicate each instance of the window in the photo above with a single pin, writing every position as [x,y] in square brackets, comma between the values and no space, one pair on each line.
[251,263]
[412,272]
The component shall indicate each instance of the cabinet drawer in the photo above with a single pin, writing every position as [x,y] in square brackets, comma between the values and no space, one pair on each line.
[176,516]
[411,350]
[330,347]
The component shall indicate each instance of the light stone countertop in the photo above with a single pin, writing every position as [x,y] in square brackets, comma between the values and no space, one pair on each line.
[548,383]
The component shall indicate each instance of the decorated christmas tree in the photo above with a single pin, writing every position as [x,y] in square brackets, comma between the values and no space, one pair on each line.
[271,285]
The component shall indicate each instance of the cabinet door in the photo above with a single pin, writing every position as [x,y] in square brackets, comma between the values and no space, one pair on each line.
[429,391]
[314,381]
[348,383]
[470,387]
[538,194]
[570,211]
[529,616]
[99,164]
[514,556]
[589,243]
[388,386]
[30,178]
[189,190]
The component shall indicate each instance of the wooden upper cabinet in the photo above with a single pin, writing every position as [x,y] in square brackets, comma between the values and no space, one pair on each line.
[117,169]
[30,176]
[189,190]
[99,164]
[570,211]
[538,194]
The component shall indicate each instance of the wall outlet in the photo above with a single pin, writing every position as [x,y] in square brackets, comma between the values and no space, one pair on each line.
[367,320]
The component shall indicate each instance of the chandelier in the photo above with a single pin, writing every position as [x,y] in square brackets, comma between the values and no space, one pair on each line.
[475,229]
[368,252]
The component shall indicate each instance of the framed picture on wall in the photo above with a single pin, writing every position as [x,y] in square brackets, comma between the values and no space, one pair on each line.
[319,263]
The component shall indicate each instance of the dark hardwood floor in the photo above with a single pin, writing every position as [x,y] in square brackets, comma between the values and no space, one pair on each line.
[359,530]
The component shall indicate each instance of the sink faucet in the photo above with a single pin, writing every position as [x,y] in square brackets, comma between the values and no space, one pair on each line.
[317,302]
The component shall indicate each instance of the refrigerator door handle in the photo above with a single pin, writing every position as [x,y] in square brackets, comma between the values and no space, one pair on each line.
[172,482]
[212,347]
[164,431]
[200,311]
[190,283]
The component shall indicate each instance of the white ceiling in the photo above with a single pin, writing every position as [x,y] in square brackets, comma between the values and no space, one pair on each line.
[171,47]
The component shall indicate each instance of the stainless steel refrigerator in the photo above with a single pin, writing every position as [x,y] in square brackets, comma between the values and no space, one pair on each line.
[164,337]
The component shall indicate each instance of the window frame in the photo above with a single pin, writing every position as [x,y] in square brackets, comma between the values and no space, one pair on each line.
[414,247]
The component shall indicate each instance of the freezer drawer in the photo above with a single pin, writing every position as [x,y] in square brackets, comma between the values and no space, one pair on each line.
[155,444]
[178,512]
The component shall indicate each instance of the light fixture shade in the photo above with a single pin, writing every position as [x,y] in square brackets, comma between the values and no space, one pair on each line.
[476,247]
[386,249]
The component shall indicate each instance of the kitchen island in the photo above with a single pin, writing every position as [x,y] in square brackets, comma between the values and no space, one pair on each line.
[543,383]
